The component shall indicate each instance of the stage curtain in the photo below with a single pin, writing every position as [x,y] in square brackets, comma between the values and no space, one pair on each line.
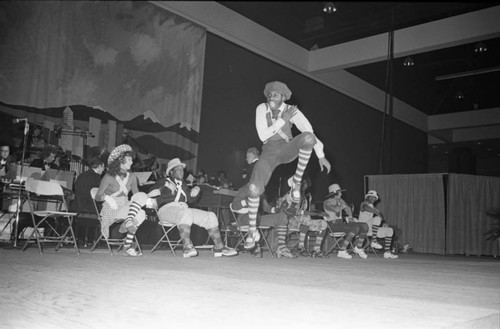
[469,197]
[416,205]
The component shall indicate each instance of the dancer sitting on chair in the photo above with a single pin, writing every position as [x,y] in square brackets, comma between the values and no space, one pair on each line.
[299,221]
[274,120]
[172,197]
[370,215]
[333,206]
[114,190]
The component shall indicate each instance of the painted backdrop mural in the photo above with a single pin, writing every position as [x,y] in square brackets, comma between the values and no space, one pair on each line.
[140,64]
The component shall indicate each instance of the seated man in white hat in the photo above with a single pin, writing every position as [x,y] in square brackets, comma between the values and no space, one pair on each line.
[333,206]
[370,215]
[172,197]
[114,190]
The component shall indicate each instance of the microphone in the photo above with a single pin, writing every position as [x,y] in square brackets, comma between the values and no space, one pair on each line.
[17,120]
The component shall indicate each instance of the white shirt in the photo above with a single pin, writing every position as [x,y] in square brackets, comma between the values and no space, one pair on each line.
[299,120]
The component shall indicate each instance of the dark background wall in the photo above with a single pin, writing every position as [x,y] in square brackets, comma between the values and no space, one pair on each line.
[234,80]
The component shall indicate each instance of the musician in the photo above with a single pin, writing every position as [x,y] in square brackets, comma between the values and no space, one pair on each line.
[253,155]
[5,159]
[172,197]
[46,160]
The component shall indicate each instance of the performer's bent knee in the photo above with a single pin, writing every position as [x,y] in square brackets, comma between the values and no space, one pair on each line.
[309,140]
[282,220]
[254,190]
[363,228]
[140,217]
[376,220]
[140,198]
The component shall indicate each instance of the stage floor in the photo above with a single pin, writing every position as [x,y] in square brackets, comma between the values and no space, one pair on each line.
[160,290]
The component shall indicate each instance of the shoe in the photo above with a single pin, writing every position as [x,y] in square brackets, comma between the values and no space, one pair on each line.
[360,252]
[250,241]
[283,251]
[318,254]
[132,252]
[257,252]
[375,245]
[304,253]
[225,251]
[344,254]
[390,255]
[189,251]
[295,192]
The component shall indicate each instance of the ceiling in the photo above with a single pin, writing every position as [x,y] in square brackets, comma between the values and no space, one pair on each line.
[305,24]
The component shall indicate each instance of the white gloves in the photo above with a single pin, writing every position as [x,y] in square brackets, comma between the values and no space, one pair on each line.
[111,202]
[194,191]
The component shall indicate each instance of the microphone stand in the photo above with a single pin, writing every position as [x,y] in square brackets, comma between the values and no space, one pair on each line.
[18,208]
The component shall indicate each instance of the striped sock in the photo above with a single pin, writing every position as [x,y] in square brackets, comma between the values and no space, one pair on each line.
[253,207]
[317,246]
[129,239]
[346,241]
[133,210]
[374,231]
[281,230]
[304,156]
[388,241]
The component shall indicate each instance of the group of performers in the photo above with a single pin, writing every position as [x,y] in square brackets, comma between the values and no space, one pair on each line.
[172,196]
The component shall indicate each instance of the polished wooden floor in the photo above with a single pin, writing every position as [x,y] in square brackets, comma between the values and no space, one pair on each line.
[160,290]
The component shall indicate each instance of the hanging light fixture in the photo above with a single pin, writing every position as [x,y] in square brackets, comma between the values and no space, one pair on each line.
[480,47]
[408,61]
[459,95]
[329,7]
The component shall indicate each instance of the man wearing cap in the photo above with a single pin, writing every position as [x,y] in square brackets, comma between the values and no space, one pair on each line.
[114,190]
[274,120]
[373,217]
[334,205]
[172,197]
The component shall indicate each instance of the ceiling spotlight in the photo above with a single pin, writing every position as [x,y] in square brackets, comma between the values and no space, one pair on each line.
[329,7]
[459,95]
[480,47]
[408,61]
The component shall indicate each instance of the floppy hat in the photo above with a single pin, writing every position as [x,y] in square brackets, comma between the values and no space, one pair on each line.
[279,87]
[334,188]
[117,152]
[372,193]
[174,163]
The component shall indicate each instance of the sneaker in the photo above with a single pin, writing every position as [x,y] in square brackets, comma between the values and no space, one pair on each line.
[295,192]
[360,252]
[318,254]
[132,252]
[225,251]
[189,251]
[257,252]
[375,245]
[283,251]
[250,241]
[390,255]
[303,252]
[344,254]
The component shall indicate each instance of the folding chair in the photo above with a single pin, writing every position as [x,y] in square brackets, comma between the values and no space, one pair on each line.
[49,194]
[338,238]
[244,230]
[368,245]
[167,228]
[120,242]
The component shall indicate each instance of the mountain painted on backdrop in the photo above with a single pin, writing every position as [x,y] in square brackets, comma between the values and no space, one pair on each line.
[147,122]
[80,112]
[161,149]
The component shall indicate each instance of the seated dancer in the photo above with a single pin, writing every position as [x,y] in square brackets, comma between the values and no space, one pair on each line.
[274,120]
[333,206]
[298,221]
[114,190]
[275,220]
[172,198]
[370,215]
